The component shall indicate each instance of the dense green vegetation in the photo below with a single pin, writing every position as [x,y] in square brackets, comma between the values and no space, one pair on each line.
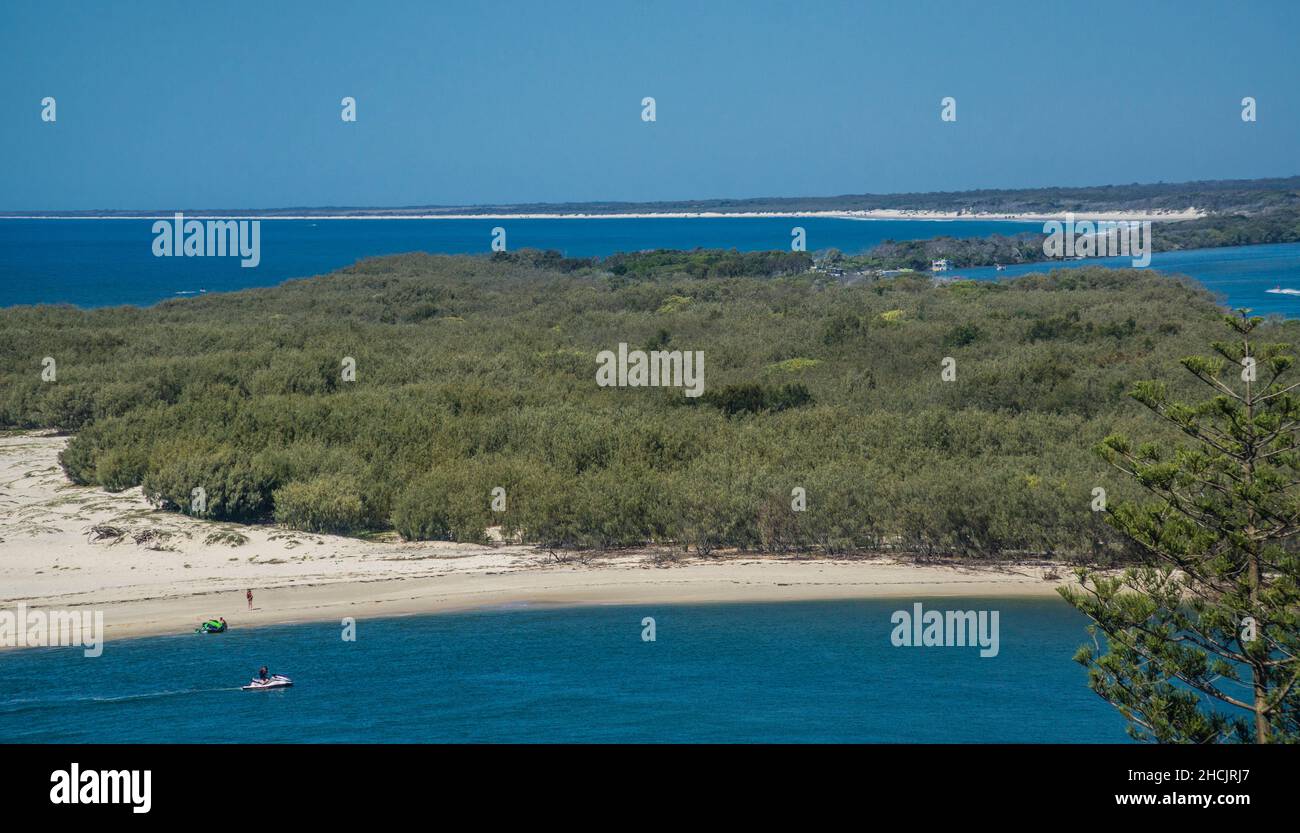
[1277,226]
[666,263]
[477,372]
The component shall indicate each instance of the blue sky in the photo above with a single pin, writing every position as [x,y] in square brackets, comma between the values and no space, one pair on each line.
[236,104]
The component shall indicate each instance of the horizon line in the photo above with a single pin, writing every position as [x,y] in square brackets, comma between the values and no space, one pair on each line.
[509,209]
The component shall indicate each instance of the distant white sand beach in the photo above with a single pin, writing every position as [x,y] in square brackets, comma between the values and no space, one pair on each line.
[873,214]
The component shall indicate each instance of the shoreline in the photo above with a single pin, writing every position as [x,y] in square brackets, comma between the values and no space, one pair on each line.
[869,214]
[152,573]
[735,580]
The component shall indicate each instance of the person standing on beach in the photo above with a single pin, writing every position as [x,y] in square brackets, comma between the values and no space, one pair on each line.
[249,594]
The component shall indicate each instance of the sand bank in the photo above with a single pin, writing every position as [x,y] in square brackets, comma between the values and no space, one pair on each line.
[167,572]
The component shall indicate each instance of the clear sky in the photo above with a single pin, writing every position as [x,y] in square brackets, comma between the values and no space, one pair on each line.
[235,104]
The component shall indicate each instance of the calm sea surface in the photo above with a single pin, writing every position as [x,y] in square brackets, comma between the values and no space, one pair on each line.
[799,671]
[95,263]
[1239,275]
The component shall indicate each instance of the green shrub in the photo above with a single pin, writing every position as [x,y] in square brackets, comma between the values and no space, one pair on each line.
[78,459]
[442,506]
[233,489]
[755,398]
[329,503]
[120,468]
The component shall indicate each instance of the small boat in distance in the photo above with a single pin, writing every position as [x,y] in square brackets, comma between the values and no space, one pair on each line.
[1277,290]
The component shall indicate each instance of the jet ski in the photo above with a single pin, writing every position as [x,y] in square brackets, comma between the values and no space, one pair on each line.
[273,681]
[211,626]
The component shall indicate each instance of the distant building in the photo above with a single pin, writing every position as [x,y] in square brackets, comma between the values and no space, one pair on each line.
[942,265]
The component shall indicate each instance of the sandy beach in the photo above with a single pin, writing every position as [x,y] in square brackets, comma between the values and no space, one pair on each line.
[66,547]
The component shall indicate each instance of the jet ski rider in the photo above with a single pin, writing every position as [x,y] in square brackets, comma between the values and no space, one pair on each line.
[261,672]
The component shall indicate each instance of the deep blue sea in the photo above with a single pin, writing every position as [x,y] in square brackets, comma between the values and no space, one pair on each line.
[95,263]
[798,671]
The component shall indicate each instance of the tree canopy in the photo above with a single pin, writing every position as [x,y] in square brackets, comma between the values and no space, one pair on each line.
[478,373]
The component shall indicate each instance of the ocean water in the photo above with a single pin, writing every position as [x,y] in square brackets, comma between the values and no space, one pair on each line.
[1240,276]
[96,263]
[792,672]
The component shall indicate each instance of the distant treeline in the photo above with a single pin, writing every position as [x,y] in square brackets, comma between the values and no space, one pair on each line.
[661,263]
[1213,196]
[1277,226]
[474,373]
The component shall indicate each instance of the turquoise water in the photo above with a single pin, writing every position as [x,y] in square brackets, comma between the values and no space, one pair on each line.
[95,263]
[801,671]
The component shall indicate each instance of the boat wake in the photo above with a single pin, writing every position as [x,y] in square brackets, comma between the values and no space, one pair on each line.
[22,704]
